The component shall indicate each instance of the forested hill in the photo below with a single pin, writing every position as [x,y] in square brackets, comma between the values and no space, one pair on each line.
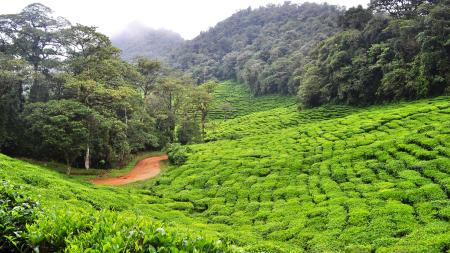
[139,40]
[262,47]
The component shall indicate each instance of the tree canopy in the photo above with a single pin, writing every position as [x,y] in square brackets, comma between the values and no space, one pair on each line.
[261,47]
[381,59]
[66,94]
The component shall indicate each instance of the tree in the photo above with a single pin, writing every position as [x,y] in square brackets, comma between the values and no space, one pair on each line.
[355,18]
[188,131]
[388,59]
[167,102]
[35,36]
[151,70]
[85,48]
[60,126]
[13,76]
[201,98]
[398,8]
[261,47]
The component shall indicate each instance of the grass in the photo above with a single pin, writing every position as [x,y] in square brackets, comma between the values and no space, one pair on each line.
[331,179]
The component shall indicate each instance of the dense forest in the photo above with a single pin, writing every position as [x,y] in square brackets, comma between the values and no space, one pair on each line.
[393,50]
[263,48]
[67,95]
[137,40]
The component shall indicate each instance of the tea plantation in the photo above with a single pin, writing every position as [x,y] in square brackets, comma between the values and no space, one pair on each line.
[362,180]
[74,216]
[332,179]
[233,99]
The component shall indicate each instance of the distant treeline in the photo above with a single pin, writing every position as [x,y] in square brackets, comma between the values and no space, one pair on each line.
[391,50]
[264,47]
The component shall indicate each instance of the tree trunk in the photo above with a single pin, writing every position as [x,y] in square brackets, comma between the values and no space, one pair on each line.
[68,170]
[87,159]
[203,123]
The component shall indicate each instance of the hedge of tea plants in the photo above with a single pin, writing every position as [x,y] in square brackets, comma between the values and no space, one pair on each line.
[45,211]
[352,180]
[375,179]
[233,99]
[265,122]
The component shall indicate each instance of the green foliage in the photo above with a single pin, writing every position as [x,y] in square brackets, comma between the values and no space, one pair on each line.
[13,73]
[355,18]
[233,99]
[264,48]
[271,178]
[325,179]
[16,212]
[90,104]
[61,126]
[377,58]
[188,132]
[399,9]
[78,217]
[177,153]
[108,231]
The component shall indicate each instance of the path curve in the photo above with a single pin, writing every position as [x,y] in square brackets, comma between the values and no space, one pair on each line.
[144,169]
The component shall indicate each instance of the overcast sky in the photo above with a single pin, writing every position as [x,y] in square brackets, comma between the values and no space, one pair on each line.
[186,17]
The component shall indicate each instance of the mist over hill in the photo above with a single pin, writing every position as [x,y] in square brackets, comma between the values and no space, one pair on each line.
[139,40]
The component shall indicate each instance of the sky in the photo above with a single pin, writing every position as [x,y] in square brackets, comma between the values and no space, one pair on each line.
[186,17]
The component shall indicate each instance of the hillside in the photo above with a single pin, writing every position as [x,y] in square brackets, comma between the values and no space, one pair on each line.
[76,215]
[326,179]
[357,161]
[232,99]
[138,40]
[372,179]
[261,47]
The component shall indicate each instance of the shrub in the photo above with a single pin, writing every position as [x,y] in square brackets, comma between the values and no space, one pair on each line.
[177,153]
[16,212]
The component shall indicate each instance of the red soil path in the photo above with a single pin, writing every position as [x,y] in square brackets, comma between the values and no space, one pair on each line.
[144,169]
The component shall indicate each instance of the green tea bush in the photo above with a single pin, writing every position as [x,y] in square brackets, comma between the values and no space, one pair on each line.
[107,231]
[323,180]
[177,153]
[16,212]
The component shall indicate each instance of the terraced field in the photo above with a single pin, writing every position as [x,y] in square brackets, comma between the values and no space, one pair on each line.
[332,179]
[264,122]
[233,99]
[377,179]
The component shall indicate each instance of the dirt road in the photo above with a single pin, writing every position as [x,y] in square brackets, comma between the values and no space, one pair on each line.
[144,169]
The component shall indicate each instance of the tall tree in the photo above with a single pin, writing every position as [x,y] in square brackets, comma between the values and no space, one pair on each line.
[399,8]
[35,35]
[13,76]
[151,70]
[60,126]
[201,98]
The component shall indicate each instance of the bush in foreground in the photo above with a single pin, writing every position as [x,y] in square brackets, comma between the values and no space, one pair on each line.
[16,212]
